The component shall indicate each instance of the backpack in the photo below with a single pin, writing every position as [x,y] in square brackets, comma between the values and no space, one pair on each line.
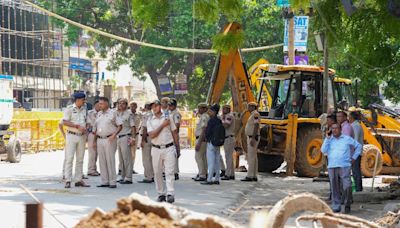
[218,137]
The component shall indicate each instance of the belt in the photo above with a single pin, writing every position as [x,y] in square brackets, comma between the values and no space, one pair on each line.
[250,136]
[228,136]
[103,137]
[162,146]
[74,133]
[147,135]
[120,136]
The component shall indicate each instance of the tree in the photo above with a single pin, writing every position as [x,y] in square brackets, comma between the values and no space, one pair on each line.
[364,45]
[169,23]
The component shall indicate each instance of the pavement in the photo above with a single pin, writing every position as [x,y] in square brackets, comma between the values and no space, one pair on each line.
[236,200]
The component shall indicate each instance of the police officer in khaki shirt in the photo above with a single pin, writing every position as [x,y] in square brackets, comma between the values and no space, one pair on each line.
[177,117]
[75,119]
[123,142]
[146,147]
[201,144]
[91,118]
[106,128]
[228,121]
[136,118]
[252,131]
[164,151]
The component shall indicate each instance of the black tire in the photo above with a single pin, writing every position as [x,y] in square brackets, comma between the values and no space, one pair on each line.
[268,163]
[309,142]
[14,151]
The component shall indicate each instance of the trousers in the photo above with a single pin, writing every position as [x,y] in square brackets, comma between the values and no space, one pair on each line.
[164,159]
[147,161]
[252,160]
[340,181]
[357,175]
[213,161]
[229,147]
[106,151]
[125,153]
[201,159]
[74,147]
[92,167]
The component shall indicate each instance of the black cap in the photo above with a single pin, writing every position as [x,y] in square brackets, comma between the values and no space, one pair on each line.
[79,95]
[215,108]
[172,102]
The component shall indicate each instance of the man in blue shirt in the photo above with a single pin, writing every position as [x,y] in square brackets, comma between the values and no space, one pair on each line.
[338,148]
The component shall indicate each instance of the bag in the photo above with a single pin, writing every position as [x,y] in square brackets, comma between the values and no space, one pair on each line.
[218,137]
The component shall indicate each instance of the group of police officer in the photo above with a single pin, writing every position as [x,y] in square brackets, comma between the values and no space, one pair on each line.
[120,129]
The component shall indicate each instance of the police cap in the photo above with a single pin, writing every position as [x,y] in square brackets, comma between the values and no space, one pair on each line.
[79,95]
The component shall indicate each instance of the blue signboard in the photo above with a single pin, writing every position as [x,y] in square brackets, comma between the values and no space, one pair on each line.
[80,64]
[300,34]
[283,3]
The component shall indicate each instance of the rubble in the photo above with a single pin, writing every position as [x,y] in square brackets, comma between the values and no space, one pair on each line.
[140,211]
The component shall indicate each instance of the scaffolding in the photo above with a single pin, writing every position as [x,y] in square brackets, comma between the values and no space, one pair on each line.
[31,50]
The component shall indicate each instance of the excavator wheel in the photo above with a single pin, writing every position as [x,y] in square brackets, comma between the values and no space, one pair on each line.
[309,158]
[268,163]
[368,160]
[14,150]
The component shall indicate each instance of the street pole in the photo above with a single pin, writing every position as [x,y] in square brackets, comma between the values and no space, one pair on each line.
[326,74]
[291,51]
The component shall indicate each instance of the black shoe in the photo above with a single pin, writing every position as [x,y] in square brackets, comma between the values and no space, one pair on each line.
[146,181]
[161,198]
[134,172]
[233,177]
[207,183]
[170,199]
[215,182]
[113,186]
[125,182]
[337,210]
[176,176]
[194,178]
[222,173]
[81,184]
[119,181]
[247,179]
[84,177]
[255,179]
[225,178]
[347,210]
[67,184]
[103,186]
[200,179]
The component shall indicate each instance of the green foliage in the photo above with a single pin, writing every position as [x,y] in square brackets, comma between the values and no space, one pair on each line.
[211,10]
[227,42]
[149,13]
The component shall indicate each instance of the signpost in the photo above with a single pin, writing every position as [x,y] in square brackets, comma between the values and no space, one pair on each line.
[165,85]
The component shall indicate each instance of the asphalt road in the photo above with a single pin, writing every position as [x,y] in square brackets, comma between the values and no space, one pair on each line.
[41,174]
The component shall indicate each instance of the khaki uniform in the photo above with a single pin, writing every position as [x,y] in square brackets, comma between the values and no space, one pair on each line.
[177,117]
[252,151]
[146,150]
[124,149]
[200,155]
[136,118]
[91,118]
[164,156]
[107,124]
[229,144]
[75,142]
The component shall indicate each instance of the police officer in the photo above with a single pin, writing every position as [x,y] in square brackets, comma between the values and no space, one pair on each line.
[176,116]
[91,118]
[136,118]
[75,119]
[164,151]
[252,132]
[106,128]
[228,121]
[123,142]
[146,146]
[201,144]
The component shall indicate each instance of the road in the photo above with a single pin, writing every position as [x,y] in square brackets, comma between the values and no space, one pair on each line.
[41,174]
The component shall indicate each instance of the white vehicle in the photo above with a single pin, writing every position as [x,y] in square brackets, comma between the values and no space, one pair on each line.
[9,145]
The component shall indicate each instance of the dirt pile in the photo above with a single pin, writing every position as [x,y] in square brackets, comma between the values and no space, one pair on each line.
[390,219]
[140,211]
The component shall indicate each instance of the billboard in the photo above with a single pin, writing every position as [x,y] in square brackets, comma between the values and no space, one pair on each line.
[300,34]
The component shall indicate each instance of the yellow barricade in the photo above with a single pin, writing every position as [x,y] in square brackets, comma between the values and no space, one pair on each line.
[38,131]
